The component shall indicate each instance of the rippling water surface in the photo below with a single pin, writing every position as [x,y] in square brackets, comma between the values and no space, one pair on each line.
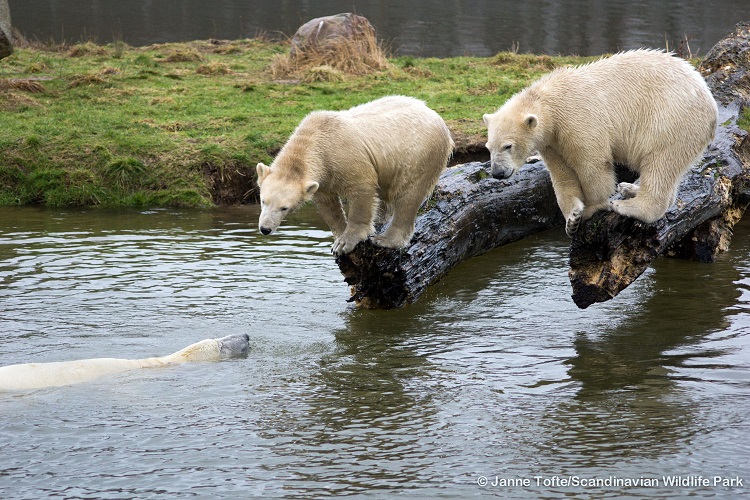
[493,374]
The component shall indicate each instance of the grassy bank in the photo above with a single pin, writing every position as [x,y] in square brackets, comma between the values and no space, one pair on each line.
[185,124]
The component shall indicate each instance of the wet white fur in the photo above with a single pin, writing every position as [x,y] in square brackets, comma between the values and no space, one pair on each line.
[391,150]
[645,109]
[38,375]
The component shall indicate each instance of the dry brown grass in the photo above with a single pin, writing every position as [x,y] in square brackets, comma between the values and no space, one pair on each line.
[87,49]
[213,68]
[37,67]
[21,42]
[161,100]
[82,80]
[14,101]
[418,72]
[22,84]
[178,56]
[527,61]
[321,74]
[359,56]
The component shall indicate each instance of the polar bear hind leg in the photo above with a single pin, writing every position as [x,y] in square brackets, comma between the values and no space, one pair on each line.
[401,228]
[405,204]
[651,198]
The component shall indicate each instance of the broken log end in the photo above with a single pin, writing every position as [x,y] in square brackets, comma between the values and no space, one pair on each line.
[607,254]
[586,294]
[374,274]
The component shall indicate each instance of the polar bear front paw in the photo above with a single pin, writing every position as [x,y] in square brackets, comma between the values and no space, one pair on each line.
[389,242]
[573,222]
[345,244]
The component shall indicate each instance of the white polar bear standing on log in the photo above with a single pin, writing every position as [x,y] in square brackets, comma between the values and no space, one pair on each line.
[391,150]
[645,109]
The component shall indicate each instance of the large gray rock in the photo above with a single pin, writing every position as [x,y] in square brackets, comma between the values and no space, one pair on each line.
[323,33]
[726,66]
[6,41]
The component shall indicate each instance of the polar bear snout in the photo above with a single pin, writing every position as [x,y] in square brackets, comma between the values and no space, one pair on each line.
[269,221]
[501,171]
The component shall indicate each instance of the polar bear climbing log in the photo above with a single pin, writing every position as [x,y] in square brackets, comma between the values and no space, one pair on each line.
[39,375]
[383,157]
[645,109]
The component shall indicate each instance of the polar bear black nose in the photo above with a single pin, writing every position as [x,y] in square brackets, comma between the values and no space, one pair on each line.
[501,172]
[265,230]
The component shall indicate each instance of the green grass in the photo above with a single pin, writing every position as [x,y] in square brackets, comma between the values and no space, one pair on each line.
[121,126]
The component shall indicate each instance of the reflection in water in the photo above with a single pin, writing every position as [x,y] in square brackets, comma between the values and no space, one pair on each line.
[635,350]
[629,402]
[493,372]
[626,402]
[363,428]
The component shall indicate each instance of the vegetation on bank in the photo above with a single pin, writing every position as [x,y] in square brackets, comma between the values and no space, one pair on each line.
[185,124]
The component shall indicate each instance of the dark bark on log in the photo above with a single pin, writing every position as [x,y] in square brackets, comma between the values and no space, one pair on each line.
[611,251]
[468,214]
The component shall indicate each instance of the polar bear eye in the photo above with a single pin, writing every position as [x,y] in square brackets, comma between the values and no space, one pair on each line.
[284,209]
[507,147]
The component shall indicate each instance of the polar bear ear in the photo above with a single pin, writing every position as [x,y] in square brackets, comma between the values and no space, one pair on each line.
[311,188]
[262,170]
[531,121]
[486,119]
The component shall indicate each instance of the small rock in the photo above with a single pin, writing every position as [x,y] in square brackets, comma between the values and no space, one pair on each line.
[725,66]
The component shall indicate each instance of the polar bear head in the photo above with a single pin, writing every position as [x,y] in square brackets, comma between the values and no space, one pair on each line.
[231,346]
[511,137]
[280,193]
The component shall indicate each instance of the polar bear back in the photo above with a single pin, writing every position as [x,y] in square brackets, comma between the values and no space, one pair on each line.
[394,135]
[629,104]
[58,373]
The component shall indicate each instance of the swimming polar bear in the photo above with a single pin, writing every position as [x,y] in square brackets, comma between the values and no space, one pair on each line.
[39,375]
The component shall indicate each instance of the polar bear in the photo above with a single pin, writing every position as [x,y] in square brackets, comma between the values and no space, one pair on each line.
[645,109]
[39,375]
[391,150]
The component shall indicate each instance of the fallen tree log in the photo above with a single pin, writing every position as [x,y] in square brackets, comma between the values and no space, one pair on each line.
[468,214]
[471,213]
[611,251]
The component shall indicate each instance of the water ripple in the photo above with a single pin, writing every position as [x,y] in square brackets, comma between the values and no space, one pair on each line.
[493,372]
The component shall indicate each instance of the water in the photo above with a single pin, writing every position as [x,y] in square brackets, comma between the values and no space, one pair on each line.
[493,373]
[418,27]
